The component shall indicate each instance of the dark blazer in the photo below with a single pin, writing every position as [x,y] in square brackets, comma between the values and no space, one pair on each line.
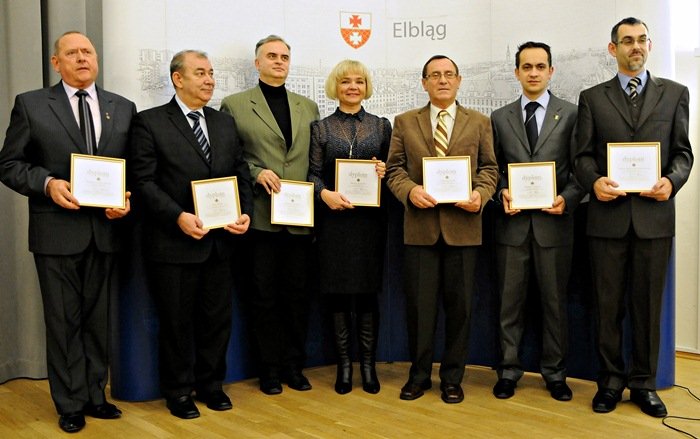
[411,140]
[603,117]
[41,136]
[554,144]
[165,158]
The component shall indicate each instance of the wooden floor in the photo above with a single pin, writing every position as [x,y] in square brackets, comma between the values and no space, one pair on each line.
[26,411]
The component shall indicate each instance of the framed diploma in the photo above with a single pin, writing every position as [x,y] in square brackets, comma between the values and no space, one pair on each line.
[98,181]
[635,167]
[358,181]
[293,205]
[448,179]
[216,201]
[532,185]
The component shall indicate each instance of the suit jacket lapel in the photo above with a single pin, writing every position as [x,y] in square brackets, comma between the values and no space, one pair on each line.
[106,114]
[178,119]
[60,105]
[294,114]
[426,128]
[617,98]
[652,93]
[551,120]
[461,121]
[263,111]
[515,119]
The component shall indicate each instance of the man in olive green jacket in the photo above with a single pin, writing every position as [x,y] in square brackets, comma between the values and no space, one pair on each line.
[274,125]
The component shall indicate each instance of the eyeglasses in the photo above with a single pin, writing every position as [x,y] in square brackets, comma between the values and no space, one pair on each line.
[435,76]
[629,41]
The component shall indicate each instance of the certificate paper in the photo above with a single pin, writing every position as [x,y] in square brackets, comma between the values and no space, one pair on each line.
[448,179]
[216,201]
[635,167]
[358,181]
[532,185]
[293,205]
[98,181]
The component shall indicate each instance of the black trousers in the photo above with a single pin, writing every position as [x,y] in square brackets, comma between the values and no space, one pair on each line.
[431,271]
[194,303]
[75,292]
[629,275]
[279,299]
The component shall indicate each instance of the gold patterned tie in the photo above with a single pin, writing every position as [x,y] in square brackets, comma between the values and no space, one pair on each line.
[440,136]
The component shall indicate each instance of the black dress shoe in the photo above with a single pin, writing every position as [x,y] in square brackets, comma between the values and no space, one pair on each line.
[504,388]
[560,391]
[605,400]
[270,386]
[183,407]
[297,381]
[71,422]
[216,400]
[103,411]
[411,390]
[649,402]
[452,393]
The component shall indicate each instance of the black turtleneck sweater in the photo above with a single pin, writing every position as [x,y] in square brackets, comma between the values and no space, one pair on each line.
[276,98]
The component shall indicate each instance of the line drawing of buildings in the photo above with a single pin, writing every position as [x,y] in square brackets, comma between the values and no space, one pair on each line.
[485,86]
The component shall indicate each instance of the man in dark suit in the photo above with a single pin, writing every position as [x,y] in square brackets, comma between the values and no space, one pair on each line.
[275,128]
[74,248]
[631,235]
[542,238]
[189,266]
[440,239]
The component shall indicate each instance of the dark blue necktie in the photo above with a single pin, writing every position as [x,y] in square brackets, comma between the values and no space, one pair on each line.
[199,134]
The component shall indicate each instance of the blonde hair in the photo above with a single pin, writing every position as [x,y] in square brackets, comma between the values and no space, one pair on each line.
[342,70]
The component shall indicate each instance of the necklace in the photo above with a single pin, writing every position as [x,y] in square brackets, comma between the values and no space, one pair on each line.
[351,143]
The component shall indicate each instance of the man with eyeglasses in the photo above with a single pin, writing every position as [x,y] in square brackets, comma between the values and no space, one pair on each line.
[631,234]
[441,240]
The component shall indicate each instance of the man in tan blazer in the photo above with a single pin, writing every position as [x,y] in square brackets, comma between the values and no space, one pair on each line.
[441,239]
[274,126]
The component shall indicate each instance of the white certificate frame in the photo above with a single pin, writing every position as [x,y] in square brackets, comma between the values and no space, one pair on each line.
[448,179]
[98,181]
[216,201]
[634,166]
[532,185]
[293,205]
[358,181]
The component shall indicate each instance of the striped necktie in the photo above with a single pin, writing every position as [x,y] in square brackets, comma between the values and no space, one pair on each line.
[633,84]
[87,128]
[199,134]
[440,136]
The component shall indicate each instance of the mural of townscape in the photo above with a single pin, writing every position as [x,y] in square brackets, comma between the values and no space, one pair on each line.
[485,86]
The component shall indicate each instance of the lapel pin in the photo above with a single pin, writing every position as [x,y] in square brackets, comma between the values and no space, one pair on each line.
[107,116]
[556,117]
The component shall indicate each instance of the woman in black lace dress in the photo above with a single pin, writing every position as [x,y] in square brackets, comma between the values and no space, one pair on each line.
[351,239]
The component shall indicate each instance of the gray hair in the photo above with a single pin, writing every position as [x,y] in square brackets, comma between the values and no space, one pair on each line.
[268,39]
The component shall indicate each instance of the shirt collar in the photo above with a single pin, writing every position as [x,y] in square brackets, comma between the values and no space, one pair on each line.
[185,109]
[543,100]
[70,91]
[451,110]
[625,79]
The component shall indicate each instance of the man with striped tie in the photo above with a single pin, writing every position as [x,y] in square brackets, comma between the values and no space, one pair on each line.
[189,266]
[440,239]
[631,234]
